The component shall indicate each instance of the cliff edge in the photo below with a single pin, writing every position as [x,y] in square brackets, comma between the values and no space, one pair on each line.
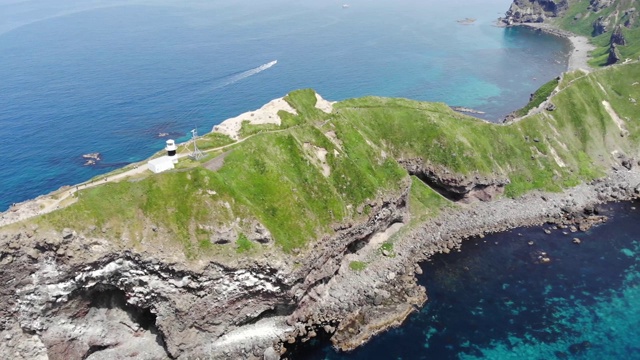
[309,228]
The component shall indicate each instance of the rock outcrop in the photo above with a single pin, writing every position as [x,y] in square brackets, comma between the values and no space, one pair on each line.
[597,5]
[600,26]
[617,37]
[74,296]
[614,55]
[456,187]
[534,11]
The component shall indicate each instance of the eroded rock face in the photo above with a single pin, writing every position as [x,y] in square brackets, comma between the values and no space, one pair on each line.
[456,187]
[597,5]
[109,304]
[617,37]
[614,55]
[600,26]
[99,323]
[534,11]
[72,297]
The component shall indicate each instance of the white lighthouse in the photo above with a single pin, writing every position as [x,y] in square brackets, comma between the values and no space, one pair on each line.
[171,150]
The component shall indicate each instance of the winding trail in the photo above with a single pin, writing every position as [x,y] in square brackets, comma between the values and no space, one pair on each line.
[65,196]
[59,199]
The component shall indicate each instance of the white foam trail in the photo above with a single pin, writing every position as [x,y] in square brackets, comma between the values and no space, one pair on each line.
[246,74]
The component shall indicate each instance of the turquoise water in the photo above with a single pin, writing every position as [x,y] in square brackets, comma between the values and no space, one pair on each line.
[110,76]
[495,300]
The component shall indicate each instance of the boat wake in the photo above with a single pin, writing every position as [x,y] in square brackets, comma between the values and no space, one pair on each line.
[209,84]
[245,74]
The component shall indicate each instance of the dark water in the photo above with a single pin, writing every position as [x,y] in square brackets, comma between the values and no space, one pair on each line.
[497,301]
[78,77]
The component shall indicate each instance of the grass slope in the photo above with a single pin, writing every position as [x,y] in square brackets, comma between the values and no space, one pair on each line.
[280,178]
[579,19]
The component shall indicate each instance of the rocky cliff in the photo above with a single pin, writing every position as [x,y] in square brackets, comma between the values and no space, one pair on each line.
[534,11]
[69,296]
[136,269]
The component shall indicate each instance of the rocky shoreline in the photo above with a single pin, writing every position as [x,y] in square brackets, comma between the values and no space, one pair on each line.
[79,295]
[376,309]
[54,283]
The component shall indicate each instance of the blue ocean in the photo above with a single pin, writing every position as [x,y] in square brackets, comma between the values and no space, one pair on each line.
[496,300]
[87,76]
[80,77]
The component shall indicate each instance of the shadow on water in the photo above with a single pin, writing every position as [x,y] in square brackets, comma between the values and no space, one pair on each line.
[497,290]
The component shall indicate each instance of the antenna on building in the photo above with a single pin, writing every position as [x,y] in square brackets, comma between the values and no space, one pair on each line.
[196,154]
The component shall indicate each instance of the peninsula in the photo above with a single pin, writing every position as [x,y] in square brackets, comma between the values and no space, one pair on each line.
[305,218]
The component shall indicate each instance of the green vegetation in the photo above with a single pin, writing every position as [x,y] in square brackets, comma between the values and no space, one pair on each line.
[248,129]
[243,244]
[357,265]
[424,202]
[213,140]
[579,19]
[387,249]
[569,77]
[302,180]
[540,96]
[303,101]
[387,246]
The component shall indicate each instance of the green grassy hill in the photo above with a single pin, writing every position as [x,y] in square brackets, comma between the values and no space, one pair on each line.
[320,170]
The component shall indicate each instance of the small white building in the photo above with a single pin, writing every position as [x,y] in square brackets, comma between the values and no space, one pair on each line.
[160,164]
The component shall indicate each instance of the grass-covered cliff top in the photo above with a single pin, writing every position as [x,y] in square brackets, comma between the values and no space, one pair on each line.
[582,15]
[320,170]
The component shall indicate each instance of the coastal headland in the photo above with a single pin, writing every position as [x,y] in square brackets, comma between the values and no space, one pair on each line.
[311,222]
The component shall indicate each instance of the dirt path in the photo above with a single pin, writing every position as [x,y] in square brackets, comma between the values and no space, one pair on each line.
[61,198]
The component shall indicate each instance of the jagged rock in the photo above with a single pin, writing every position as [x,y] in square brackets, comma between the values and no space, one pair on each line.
[628,163]
[418,270]
[261,234]
[453,186]
[597,5]
[617,37]
[270,354]
[631,17]
[590,210]
[600,26]
[67,233]
[614,55]
[550,106]
[534,11]
[32,253]
[329,329]
[6,260]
